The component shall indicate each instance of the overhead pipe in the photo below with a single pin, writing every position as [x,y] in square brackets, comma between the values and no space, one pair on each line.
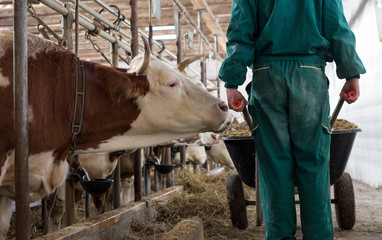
[187,14]
[85,22]
[20,78]
[128,24]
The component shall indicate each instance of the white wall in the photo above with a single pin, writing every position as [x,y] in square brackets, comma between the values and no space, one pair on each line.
[365,161]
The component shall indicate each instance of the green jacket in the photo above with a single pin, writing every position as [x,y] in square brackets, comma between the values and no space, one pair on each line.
[312,30]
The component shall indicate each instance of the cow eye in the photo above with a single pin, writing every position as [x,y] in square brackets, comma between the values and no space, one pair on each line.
[172,84]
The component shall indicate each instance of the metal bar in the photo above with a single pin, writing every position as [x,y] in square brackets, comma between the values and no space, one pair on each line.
[150,24]
[336,112]
[20,78]
[67,26]
[134,27]
[183,155]
[99,17]
[178,35]
[117,185]
[137,174]
[69,202]
[216,38]
[76,27]
[167,160]
[127,23]
[87,204]
[201,49]
[84,22]
[187,14]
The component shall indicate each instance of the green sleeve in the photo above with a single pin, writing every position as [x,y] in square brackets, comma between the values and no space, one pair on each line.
[337,31]
[240,44]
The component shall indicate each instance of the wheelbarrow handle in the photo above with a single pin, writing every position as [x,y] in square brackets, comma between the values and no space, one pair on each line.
[337,110]
[248,118]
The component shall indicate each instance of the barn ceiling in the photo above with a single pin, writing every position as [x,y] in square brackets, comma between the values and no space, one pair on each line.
[215,15]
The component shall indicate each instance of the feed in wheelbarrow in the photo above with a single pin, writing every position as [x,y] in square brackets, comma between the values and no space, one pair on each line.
[342,124]
[237,130]
[242,129]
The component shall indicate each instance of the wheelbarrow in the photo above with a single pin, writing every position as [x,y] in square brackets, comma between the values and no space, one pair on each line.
[243,153]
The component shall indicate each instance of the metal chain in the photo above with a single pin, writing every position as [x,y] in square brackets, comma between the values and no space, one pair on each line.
[41,26]
[96,47]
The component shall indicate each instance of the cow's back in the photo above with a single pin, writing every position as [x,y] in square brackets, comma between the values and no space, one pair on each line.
[49,69]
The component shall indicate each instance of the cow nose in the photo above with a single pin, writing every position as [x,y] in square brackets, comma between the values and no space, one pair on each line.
[223,106]
[214,136]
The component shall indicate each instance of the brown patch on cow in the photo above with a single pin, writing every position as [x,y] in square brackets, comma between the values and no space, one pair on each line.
[120,84]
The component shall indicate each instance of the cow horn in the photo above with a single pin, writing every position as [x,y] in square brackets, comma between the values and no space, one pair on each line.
[146,57]
[183,64]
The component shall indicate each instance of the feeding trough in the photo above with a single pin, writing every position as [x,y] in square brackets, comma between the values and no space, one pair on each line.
[164,168]
[92,186]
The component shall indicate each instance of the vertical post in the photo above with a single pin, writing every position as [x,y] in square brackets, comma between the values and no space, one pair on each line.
[20,78]
[183,155]
[178,30]
[87,204]
[137,175]
[216,41]
[117,185]
[150,23]
[117,171]
[69,196]
[167,160]
[134,52]
[67,27]
[201,49]
[134,27]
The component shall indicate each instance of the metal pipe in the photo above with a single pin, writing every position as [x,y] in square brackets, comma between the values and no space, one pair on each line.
[201,49]
[117,185]
[85,22]
[183,155]
[137,174]
[178,35]
[76,27]
[186,13]
[20,78]
[99,17]
[127,23]
[134,27]
[67,26]
[216,38]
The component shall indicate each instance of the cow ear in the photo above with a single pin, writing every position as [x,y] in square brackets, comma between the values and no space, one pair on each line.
[121,85]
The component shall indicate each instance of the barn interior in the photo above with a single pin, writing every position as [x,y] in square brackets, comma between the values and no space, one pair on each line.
[184,28]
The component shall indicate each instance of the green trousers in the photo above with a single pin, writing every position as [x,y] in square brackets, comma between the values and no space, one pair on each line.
[289,104]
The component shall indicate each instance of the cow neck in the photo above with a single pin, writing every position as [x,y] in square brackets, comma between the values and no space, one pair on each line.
[79,97]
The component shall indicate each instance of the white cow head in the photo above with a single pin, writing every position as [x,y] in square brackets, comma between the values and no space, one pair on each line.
[175,103]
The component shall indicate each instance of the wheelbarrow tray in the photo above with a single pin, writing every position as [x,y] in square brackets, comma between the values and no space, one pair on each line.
[242,151]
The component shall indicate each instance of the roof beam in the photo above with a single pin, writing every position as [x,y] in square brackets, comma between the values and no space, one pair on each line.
[210,21]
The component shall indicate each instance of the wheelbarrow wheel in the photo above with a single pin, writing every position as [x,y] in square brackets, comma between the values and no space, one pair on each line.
[236,202]
[345,204]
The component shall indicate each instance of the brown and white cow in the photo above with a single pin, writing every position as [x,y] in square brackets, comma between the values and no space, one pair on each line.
[149,104]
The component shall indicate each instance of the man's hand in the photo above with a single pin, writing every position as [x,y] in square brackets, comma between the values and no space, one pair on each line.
[234,95]
[350,85]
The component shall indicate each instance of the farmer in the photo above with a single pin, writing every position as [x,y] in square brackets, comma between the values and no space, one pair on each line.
[287,45]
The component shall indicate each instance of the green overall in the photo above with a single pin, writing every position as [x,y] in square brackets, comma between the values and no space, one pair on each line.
[287,44]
